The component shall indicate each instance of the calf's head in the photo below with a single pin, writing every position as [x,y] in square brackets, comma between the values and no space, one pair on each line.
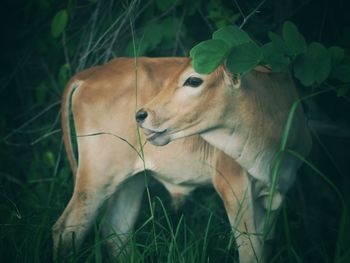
[190,103]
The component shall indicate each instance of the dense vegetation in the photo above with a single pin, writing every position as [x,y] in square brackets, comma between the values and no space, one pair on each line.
[44,42]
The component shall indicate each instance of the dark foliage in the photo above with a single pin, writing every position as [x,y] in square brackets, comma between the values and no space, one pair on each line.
[39,54]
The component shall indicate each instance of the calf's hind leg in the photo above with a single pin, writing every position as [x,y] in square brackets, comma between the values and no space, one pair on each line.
[95,182]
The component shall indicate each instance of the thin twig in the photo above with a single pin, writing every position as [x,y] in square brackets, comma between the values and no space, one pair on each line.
[121,25]
[19,66]
[107,38]
[49,131]
[82,60]
[40,180]
[53,125]
[178,33]
[31,120]
[296,10]
[65,52]
[323,21]
[51,77]
[246,18]
[239,8]
[204,17]
[94,47]
[18,214]
[46,135]
[34,130]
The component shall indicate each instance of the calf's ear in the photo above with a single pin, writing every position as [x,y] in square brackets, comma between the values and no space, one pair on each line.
[232,80]
[262,69]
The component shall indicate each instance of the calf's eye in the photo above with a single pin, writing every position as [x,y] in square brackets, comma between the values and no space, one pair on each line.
[193,82]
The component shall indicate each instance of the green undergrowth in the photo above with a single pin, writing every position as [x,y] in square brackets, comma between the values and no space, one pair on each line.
[56,39]
[197,232]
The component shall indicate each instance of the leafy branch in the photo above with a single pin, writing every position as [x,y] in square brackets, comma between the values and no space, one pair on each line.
[311,63]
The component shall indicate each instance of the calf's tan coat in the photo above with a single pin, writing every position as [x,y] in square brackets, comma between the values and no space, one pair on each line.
[244,119]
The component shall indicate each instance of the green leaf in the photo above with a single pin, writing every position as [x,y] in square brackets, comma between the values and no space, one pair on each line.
[275,60]
[293,39]
[244,58]
[314,66]
[64,74]
[337,55]
[232,35]
[279,44]
[59,23]
[41,93]
[342,73]
[208,55]
[170,27]
[342,91]
[268,50]
[153,34]
[49,159]
[221,16]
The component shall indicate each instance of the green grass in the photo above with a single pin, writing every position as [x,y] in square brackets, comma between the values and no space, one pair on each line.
[199,232]
[169,237]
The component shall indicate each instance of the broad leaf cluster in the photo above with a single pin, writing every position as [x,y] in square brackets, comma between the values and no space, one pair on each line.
[229,43]
[311,63]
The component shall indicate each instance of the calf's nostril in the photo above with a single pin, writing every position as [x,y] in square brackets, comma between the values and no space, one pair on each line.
[141,115]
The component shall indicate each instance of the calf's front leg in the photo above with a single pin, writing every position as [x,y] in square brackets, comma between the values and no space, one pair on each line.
[233,185]
[123,209]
